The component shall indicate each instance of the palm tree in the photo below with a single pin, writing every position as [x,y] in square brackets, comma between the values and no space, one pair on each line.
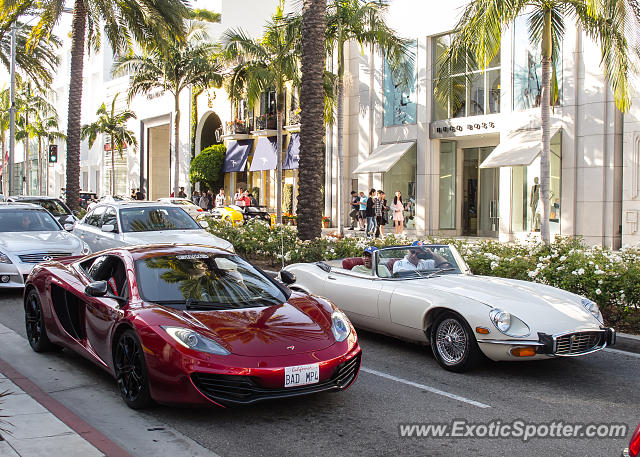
[174,67]
[269,63]
[5,105]
[478,37]
[113,125]
[311,165]
[362,22]
[123,23]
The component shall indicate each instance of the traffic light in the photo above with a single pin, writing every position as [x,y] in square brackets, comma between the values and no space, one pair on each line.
[53,153]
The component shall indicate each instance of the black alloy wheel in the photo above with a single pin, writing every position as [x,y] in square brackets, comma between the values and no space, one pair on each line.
[131,371]
[34,323]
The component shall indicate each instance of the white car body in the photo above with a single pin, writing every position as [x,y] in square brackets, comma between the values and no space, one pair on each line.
[407,308]
[194,210]
[94,233]
[26,249]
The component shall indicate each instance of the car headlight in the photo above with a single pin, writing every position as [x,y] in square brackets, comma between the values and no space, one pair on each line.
[509,324]
[4,258]
[340,326]
[193,340]
[592,307]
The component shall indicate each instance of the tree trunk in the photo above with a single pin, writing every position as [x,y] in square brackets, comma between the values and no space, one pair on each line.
[547,50]
[176,144]
[279,116]
[39,174]
[311,165]
[27,162]
[78,25]
[113,169]
[340,121]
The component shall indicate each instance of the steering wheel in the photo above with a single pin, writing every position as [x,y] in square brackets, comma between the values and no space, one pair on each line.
[441,264]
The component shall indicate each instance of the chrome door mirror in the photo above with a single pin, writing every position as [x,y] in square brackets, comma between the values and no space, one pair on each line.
[108,228]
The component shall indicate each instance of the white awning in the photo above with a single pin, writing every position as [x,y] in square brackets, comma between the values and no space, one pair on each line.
[384,157]
[519,148]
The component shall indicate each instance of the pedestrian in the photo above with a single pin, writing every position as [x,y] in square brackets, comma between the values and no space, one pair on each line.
[355,205]
[398,217]
[210,200]
[195,198]
[238,197]
[139,194]
[181,193]
[382,215]
[204,202]
[362,210]
[133,194]
[252,200]
[370,213]
[220,198]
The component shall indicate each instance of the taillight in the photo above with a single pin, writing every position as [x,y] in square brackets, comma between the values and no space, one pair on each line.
[634,444]
[200,209]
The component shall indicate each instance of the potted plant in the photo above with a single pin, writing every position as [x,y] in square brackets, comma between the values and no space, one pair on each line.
[326,221]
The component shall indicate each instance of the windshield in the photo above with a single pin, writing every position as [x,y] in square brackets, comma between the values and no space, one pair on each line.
[151,219]
[419,261]
[205,280]
[27,220]
[55,207]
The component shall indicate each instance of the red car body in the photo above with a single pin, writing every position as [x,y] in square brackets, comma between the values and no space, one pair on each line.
[262,341]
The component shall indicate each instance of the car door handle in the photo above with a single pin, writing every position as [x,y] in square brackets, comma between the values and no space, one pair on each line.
[333,278]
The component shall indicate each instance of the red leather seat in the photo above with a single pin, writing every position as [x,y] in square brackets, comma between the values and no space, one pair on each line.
[351,262]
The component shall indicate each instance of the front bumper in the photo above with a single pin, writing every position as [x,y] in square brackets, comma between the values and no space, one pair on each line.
[16,272]
[567,344]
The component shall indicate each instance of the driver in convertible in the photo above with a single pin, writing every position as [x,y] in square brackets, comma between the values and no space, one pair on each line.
[411,261]
[367,257]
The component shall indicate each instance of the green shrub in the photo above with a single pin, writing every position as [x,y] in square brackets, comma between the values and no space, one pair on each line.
[207,166]
[287,198]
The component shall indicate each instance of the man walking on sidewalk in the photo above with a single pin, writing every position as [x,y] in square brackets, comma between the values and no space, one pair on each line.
[355,205]
[370,213]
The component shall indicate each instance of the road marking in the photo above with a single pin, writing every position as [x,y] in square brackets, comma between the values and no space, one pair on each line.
[423,387]
[618,351]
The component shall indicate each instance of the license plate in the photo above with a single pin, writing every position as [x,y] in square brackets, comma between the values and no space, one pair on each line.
[301,375]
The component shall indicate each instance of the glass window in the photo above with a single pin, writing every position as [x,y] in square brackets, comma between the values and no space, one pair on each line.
[27,220]
[469,91]
[402,178]
[55,207]
[399,101]
[95,217]
[109,217]
[151,219]
[527,68]
[218,281]
[447,185]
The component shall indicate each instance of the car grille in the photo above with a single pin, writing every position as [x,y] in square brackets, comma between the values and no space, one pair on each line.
[246,389]
[40,257]
[578,343]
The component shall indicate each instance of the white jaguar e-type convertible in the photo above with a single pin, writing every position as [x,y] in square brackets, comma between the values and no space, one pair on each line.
[427,294]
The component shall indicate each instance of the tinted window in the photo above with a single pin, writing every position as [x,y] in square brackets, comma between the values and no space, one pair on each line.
[110,217]
[55,207]
[224,281]
[27,220]
[151,219]
[95,217]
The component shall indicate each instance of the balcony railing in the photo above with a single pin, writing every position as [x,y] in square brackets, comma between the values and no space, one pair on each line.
[239,127]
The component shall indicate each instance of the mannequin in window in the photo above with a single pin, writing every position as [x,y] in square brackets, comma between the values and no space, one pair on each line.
[534,202]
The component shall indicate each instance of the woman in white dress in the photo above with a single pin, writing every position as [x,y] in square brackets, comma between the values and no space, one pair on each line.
[398,217]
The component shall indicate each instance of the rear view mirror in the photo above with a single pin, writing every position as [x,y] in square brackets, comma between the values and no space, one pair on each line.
[96,289]
[108,228]
[287,277]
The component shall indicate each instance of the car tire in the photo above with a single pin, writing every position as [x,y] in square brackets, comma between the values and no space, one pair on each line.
[453,344]
[131,371]
[34,324]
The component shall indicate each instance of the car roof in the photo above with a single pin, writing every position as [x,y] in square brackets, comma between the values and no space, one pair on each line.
[14,205]
[34,197]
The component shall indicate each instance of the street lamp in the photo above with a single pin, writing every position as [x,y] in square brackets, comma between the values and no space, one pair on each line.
[12,108]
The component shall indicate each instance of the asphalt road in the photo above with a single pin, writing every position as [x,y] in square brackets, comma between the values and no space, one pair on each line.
[400,383]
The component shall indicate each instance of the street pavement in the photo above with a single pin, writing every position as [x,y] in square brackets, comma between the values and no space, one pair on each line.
[399,383]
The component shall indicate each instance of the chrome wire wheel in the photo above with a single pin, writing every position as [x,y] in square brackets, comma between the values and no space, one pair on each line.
[33,320]
[451,341]
[129,371]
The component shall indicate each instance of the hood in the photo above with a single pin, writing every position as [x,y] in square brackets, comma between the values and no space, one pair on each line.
[177,236]
[538,305]
[294,327]
[31,242]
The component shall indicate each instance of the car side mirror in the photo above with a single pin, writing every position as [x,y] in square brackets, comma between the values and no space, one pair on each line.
[96,289]
[108,228]
[287,277]
[68,226]
[204,224]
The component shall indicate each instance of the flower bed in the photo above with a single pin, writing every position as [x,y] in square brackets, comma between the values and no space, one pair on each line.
[610,278]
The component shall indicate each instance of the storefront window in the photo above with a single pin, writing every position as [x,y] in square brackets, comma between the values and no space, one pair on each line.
[527,68]
[447,185]
[471,92]
[402,177]
[399,101]
[526,206]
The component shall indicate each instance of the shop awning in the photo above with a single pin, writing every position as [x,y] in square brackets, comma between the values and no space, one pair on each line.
[519,148]
[265,156]
[236,157]
[293,153]
[384,157]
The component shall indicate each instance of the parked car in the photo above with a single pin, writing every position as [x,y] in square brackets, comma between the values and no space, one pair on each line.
[85,198]
[462,316]
[194,210]
[190,324]
[122,223]
[28,235]
[634,445]
[238,215]
[55,206]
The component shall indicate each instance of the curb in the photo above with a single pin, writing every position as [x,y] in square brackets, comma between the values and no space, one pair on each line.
[626,342]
